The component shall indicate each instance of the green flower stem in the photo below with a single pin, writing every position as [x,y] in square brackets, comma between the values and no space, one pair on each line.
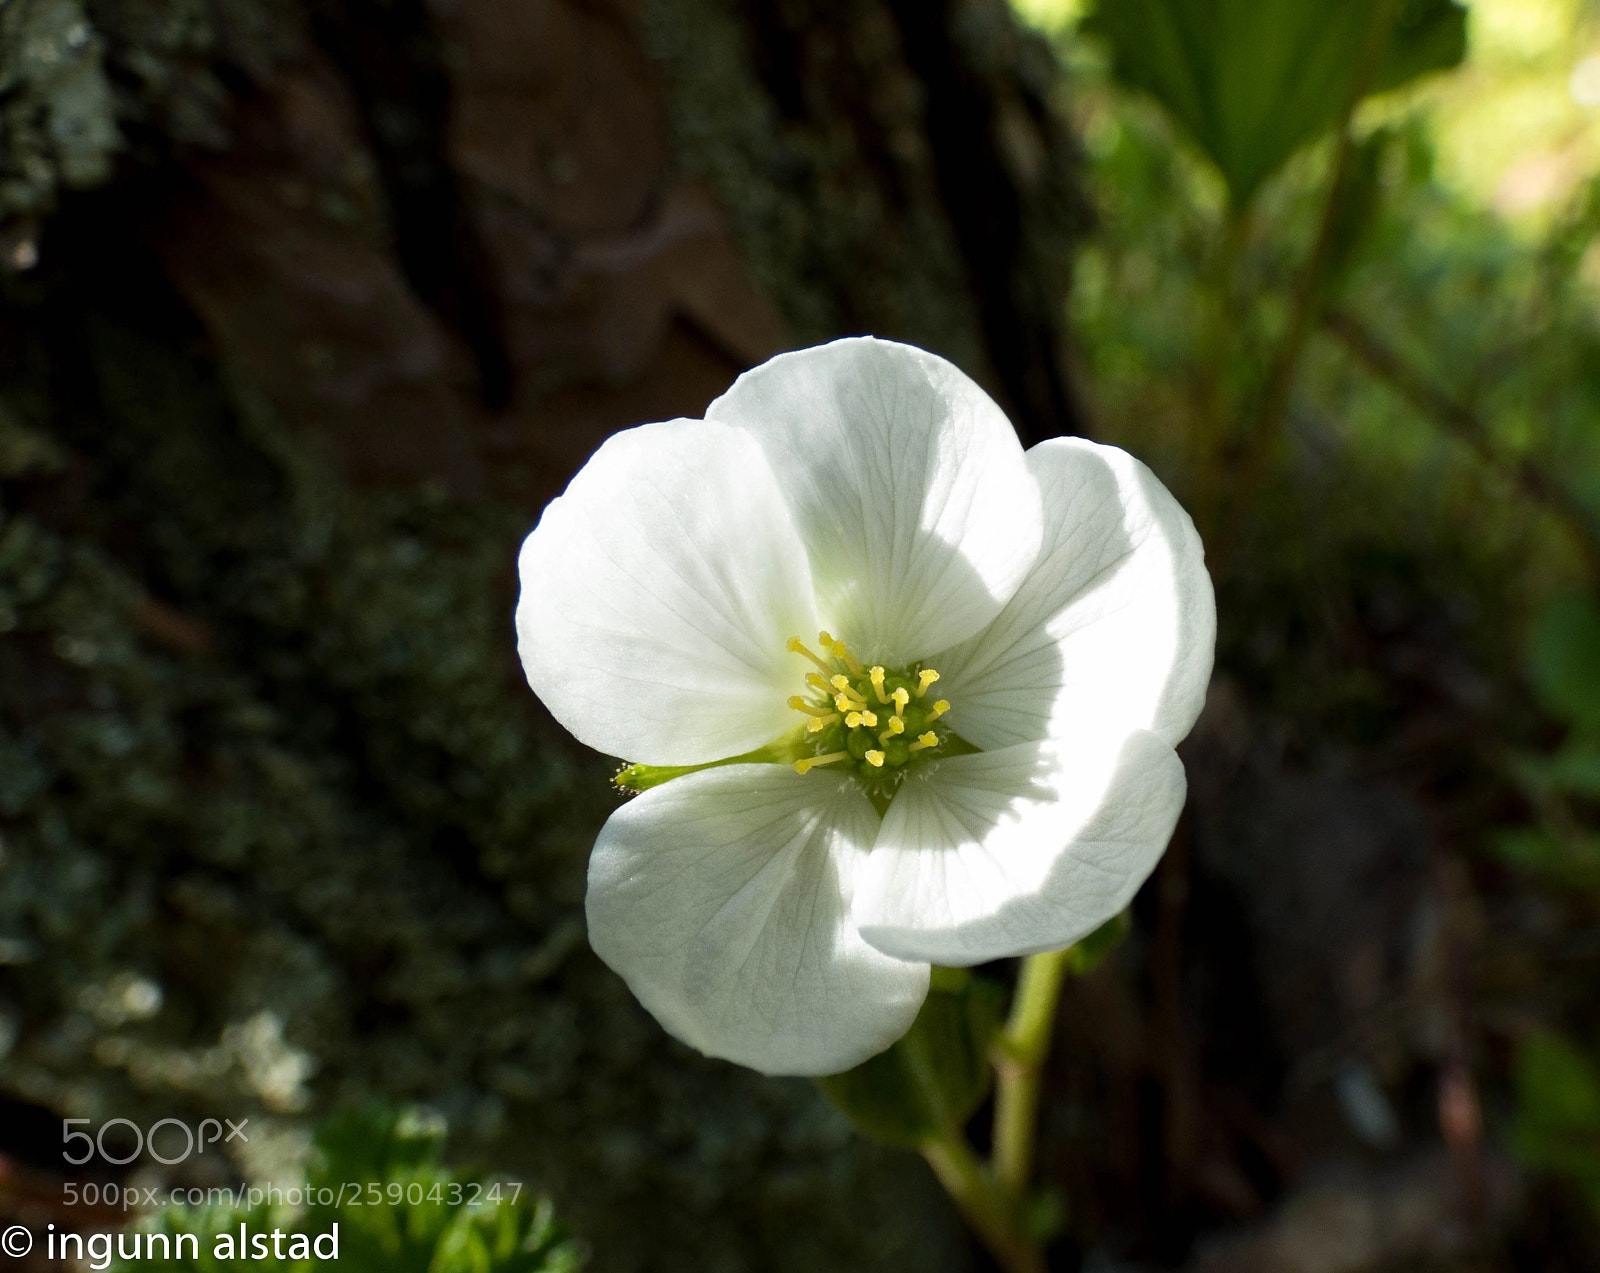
[990,1210]
[1019,1062]
[994,1213]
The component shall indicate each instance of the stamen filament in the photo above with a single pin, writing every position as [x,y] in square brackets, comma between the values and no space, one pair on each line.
[817,683]
[875,759]
[810,709]
[925,678]
[930,739]
[940,708]
[876,676]
[901,698]
[811,762]
[842,684]
[837,648]
[797,647]
[818,723]
[847,704]
[896,726]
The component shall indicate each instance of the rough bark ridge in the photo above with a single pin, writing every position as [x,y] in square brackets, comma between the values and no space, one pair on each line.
[304,312]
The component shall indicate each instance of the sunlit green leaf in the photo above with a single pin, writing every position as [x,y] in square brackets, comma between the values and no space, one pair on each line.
[1254,80]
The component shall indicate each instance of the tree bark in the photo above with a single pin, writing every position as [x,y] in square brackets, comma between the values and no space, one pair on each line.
[299,330]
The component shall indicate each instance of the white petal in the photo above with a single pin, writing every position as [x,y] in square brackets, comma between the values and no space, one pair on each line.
[723,897]
[1016,851]
[907,484]
[1111,631]
[658,593]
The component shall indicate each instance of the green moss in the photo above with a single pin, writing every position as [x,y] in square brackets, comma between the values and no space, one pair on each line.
[57,125]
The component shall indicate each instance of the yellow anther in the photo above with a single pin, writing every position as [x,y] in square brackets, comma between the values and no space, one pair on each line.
[896,726]
[842,684]
[846,704]
[901,698]
[925,678]
[875,759]
[940,708]
[817,683]
[819,723]
[868,719]
[796,646]
[876,677]
[836,647]
[802,766]
[930,739]
[810,709]
[853,720]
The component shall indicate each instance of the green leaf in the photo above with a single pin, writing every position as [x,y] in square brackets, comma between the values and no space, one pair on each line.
[1358,209]
[1568,861]
[370,1143]
[934,1078]
[1558,1111]
[1574,769]
[1254,80]
[1088,953]
[1564,659]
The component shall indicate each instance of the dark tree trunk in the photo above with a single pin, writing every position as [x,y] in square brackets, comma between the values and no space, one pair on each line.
[306,311]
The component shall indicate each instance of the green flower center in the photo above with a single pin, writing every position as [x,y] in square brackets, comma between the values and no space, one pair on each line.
[874,721]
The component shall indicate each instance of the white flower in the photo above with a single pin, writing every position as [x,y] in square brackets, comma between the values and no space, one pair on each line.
[782,910]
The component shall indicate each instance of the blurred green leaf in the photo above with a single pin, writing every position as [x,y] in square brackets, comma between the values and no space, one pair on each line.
[1254,80]
[1358,209]
[933,1079]
[373,1143]
[1564,659]
[1574,770]
[1571,861]
[1558,1111]
[1089,953]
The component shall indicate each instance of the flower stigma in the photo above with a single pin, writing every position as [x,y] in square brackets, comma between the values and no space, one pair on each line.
[870,722]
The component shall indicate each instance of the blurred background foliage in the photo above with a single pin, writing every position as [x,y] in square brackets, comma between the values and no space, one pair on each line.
[305,310]
[1362,334]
